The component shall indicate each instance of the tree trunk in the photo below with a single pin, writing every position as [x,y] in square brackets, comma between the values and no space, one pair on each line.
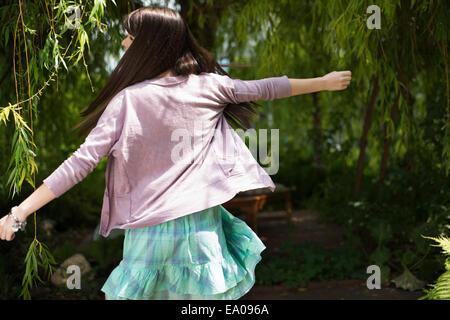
[387,144]
[363,144]
[317,133]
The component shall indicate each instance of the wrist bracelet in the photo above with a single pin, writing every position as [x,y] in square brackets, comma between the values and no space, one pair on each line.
[20,225]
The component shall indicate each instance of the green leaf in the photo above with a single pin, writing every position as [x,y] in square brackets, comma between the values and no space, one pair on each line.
[408,281]
[14,140]
[11,176]
[34,260]
[442,241]
[27,272]
[34,69]
[40,280]
[22,177]
[64,64]
[50,257]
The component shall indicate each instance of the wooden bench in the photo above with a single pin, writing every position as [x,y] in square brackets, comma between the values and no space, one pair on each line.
[252,201]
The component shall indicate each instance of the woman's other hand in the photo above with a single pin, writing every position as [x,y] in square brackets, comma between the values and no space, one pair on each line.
[6,231]
[337,80]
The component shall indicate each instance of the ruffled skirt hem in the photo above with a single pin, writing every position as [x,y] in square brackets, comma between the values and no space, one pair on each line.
[226,279]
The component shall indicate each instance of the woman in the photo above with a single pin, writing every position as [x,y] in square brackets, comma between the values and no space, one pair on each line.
[180,242]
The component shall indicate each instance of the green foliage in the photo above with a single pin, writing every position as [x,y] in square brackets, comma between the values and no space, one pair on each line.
[441,289]
[44,52]
[389,225]
[38,256]
[297,265]
[41,44]
[298,38]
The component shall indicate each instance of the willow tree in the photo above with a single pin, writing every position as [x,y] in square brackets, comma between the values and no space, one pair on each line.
[380,110]
[308,39]
[41,39]
[396,111]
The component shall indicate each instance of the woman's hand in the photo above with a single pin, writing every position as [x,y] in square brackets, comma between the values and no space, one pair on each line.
[6,232]
[337,80]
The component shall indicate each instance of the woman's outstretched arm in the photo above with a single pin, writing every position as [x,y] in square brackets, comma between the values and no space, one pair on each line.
[40,197]
[96,146]
[237,90]
[336,80]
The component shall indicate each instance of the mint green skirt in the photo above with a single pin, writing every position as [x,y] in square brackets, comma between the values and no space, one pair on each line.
[209,254]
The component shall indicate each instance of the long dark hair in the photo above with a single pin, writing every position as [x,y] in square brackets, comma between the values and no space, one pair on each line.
[162,41]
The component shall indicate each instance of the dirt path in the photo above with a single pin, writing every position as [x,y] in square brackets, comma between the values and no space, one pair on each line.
[273,230]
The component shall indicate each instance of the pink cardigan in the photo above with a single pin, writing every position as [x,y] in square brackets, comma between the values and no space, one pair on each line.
[170,150]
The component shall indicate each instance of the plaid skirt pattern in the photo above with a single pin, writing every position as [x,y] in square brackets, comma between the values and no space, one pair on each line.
[209,254]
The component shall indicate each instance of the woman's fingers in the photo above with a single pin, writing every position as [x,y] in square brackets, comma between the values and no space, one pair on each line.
[2,223]
[6,232]
[346,78]
[8,236]
[337,80]
[346,73]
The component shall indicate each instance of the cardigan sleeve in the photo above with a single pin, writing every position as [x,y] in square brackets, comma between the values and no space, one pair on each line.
[96,146]
[238,91]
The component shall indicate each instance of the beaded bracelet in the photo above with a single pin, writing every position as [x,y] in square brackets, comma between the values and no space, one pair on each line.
[19,224]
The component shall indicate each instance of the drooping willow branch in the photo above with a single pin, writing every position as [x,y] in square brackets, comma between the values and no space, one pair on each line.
[22,144]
